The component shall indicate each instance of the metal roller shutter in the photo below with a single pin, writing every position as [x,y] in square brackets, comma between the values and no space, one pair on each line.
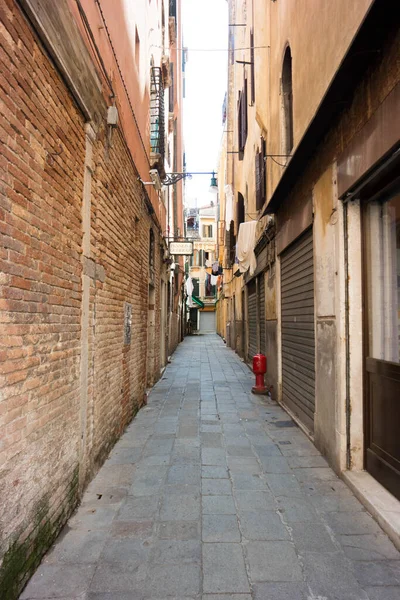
[252,318]
[261,292]
[207,322]
[298,335]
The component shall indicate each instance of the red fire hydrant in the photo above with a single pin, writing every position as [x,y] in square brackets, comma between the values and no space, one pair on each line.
[259,370]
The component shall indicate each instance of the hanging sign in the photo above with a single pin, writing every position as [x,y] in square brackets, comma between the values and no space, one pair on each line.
[181,248]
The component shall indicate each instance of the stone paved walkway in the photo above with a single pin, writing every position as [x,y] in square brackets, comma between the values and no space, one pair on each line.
[215,494]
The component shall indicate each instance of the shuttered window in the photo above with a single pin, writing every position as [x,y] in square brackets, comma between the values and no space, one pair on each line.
[242,119]
[260,176]
[298,335]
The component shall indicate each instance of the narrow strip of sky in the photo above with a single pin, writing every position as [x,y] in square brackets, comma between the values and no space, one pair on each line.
[205,26]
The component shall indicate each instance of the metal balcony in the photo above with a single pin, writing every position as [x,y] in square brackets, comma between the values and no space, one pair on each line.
[157,116]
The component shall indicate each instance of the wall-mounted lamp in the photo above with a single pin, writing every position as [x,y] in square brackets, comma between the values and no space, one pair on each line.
[172,178]
[213,184]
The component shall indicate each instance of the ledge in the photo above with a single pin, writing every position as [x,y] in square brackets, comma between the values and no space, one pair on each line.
[382,505]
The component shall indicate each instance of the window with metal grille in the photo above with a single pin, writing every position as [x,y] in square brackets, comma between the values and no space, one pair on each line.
[261,180]
[157,118]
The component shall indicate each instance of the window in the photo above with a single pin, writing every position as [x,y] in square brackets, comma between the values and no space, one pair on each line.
[196,288]
[231,46]
[242,119]
[253,82]
[240,210]
[383,278]
[287,102]
[261,180]
[171,88]
[207,231]
[210,290]
[137,49]
[231,246]
[172,8]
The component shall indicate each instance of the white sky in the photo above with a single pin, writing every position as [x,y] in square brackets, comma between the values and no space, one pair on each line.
[205,26]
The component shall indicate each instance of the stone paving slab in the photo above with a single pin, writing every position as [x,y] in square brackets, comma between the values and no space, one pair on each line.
[215,494]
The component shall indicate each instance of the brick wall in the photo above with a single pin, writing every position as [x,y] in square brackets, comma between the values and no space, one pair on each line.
[65,368]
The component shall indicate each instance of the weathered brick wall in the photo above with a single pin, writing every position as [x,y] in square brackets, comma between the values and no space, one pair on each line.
[42,165]
[40,223]
[174,332]
[120,244]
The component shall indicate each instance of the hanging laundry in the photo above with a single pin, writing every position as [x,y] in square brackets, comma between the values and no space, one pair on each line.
[245,247]
[189,291]
[214,279]
[215,268]
[208,263]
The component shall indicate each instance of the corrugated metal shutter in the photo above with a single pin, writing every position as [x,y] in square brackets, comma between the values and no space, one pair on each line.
[261,292]
[207,322]
[298,335]
[252,318]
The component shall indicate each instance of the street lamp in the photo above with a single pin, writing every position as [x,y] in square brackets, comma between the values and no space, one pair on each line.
[172,178]
[213,184]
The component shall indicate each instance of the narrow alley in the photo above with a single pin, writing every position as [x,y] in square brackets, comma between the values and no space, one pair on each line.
[215,493]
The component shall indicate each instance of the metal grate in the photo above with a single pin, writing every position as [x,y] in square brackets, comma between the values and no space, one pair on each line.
[298,329]
[157,114]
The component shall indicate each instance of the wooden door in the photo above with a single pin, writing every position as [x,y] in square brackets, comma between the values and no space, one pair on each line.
[381,224]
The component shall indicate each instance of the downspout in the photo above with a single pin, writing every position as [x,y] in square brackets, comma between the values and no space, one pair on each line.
[347,334]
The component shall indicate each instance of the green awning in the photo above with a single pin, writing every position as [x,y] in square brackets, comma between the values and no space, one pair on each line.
[198,301]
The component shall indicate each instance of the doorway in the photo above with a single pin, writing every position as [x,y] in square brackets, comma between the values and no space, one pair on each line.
[381,228]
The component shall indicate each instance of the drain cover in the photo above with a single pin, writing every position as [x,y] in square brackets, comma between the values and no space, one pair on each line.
[285,424]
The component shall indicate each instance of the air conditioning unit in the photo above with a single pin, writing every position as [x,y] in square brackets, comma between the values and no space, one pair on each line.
[155,178]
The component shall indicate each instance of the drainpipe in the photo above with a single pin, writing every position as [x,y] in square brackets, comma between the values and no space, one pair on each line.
[347,333]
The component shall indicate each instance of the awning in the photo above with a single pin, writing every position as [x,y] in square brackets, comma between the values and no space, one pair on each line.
[198,301]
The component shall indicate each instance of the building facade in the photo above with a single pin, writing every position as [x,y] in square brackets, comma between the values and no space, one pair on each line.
[201,228]
[86,316]
[310,157]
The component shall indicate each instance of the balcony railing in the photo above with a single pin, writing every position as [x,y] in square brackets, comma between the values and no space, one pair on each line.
[157,113]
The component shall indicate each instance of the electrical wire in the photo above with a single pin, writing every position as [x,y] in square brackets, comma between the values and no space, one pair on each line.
[278,163]
[122,79]
[213,49]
